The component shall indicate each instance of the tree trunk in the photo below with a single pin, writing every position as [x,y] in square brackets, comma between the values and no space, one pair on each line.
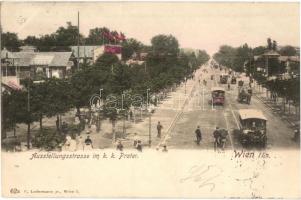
[3,132]
[14,130]
[41,123]
[134,115]
[60,121]
[28,135]
[113,131]
[57,123]
[78,113]
[123,124]
[284,100]
[98,124]
[140,113]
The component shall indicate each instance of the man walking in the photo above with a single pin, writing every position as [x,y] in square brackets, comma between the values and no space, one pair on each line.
[159,128]
[198,135]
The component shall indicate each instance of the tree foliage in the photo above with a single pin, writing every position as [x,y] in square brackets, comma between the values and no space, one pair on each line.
[129,47]
[10,41]
[288,51]
[165,45]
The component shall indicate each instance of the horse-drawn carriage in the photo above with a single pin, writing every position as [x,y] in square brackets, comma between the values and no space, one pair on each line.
[252,127]
[233,80]
[218,96]
[244,95]
[240,83]
[224,78]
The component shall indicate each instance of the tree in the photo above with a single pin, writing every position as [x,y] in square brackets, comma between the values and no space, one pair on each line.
[47,43]
[68,36]
[50,98]
[129,47]
[202,57]
[13,110]
[258,50]
[61,40]
[164,45]
[10,41]
[225,55]
[269,41]
[20,108]
[243,54]
[106,61]
[87,82]
[274,46]
[288,51]
[32,41]
[96,36]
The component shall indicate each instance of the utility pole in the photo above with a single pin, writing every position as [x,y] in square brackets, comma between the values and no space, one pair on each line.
[149,119]
[29,116]
[78,40]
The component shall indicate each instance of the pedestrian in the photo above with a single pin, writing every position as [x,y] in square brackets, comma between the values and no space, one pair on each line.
[139,146]
[135,139]
[159,128]
[77,124]
[79,143]
[82,124]
[296,135]
[70,144]
[119,146]
[198,135]
[65,128]
[228,86]
[131,115]
[89,129]
[88,143]
[216,135]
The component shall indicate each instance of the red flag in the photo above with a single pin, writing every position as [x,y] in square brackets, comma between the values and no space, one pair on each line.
[122,36]
[108,35]
[116,36]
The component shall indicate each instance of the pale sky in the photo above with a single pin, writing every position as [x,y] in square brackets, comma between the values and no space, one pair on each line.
[195,25]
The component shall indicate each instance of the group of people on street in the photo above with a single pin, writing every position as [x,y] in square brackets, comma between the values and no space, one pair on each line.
[137,143]
[77,144]
[219,138]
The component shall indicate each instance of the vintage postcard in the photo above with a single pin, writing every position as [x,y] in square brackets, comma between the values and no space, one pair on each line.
[150,99]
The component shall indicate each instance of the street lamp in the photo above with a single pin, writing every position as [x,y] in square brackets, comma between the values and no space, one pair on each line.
[149,127]
[149,119]
[185,84]
[122,98]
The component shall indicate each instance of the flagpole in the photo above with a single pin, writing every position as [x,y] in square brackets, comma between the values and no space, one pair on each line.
[103,38]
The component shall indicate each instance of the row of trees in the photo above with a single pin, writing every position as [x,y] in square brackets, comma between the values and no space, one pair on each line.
[235,57]
[243,56]
[165,66]
[64,37]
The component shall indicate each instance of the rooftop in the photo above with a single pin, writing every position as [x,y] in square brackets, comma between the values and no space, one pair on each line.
[84,51]
[251,114]
[25,58]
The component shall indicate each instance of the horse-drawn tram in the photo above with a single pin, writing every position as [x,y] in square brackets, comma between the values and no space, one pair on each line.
[218,96]
[252,127]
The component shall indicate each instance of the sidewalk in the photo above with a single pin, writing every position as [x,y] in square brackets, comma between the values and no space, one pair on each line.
[165,112]
[289,113]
